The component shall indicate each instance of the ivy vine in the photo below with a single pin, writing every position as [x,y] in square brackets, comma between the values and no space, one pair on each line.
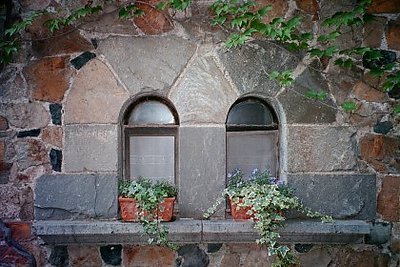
[246,20]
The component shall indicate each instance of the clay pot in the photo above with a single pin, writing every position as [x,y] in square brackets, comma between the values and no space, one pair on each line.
[129,210]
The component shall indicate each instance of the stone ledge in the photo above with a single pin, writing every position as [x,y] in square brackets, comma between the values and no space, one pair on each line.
[199,231]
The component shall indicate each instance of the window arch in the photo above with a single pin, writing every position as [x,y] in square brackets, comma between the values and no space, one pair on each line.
[150,129]
[252,136]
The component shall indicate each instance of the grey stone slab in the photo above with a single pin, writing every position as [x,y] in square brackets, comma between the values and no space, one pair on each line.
[321,148]
[66,196]
[91,148]
[203,95]
[201,169]
[95,96]
[342,196]
[147,62]
[300,109]
[197,231]
[250,64]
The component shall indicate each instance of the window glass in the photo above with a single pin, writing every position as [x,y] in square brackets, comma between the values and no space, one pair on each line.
[248,150]
[151,112]
[250,112]
[152,157]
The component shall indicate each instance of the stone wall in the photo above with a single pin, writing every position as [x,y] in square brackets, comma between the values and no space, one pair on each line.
[62,98]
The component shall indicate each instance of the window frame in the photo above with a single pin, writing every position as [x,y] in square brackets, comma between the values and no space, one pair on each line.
[129,130]
[272,129]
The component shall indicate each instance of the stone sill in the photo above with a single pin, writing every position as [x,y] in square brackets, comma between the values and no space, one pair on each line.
[199,231]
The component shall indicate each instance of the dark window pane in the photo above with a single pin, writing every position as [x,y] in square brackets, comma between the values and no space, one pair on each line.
[151,112]
[252,149]
[250,112]
[152,157]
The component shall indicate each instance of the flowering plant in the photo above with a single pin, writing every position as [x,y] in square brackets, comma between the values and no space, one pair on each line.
[266,198]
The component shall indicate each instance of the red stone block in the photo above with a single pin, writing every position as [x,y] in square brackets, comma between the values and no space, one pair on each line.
[3,124]
[389,199]
[48,78]
[84,256]
[53,136]
[380,151]
[384,6]
[279,8]
[154,21]
[147,256]
[9,257]
[19,230]
[309,6]
[393,34]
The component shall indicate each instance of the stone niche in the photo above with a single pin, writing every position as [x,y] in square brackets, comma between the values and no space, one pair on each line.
[202,79]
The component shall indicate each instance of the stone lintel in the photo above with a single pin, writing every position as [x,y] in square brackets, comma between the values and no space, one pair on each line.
[199,231]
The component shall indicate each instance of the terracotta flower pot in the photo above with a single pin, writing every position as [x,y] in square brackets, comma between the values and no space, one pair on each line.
[239,213]
[129,210]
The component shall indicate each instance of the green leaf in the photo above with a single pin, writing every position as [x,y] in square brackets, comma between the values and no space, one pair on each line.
[396,109]
[316,95]
[263,11]
[349,106]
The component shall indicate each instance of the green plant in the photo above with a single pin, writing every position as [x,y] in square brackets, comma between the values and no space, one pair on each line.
[148,196]
[267,198]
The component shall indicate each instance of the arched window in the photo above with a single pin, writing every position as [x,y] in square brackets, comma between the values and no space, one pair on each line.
[150,128]
[252,136]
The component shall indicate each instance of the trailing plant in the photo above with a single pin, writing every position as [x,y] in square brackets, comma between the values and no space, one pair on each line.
[267,198]
[148,196]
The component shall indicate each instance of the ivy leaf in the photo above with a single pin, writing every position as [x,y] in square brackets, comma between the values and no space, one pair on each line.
[396,109]
[263,11]
[344,63]
[316,95]
[349,106]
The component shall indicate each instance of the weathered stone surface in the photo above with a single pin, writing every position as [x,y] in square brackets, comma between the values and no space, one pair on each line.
[111,254]
[55,111]
[330,7]
[279,8]
[20,230]
[384,6]
[110,23]
[349,257]
[214,247]
[249,66]
[367,113]
[34,5]
[200,186]
[309,6]
[147,256]
[64,42]
[192,255]
[381,152]
[3,123]
[300,109]
[10,205]
[91,148]
[200,29]
[48,78]
[315,258]
[321,148]
[393,34]
[342,81]
[161,60]
[84,256]
[82,59]
[229,260]
[76,196]
[53,135]
[95,96]
[374,32]
[203,95]
[26,115]
[363,91]
[153,21]
[388,198]
[340,195]
[12,85]
[30,152]
[380,233]
[59,256]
